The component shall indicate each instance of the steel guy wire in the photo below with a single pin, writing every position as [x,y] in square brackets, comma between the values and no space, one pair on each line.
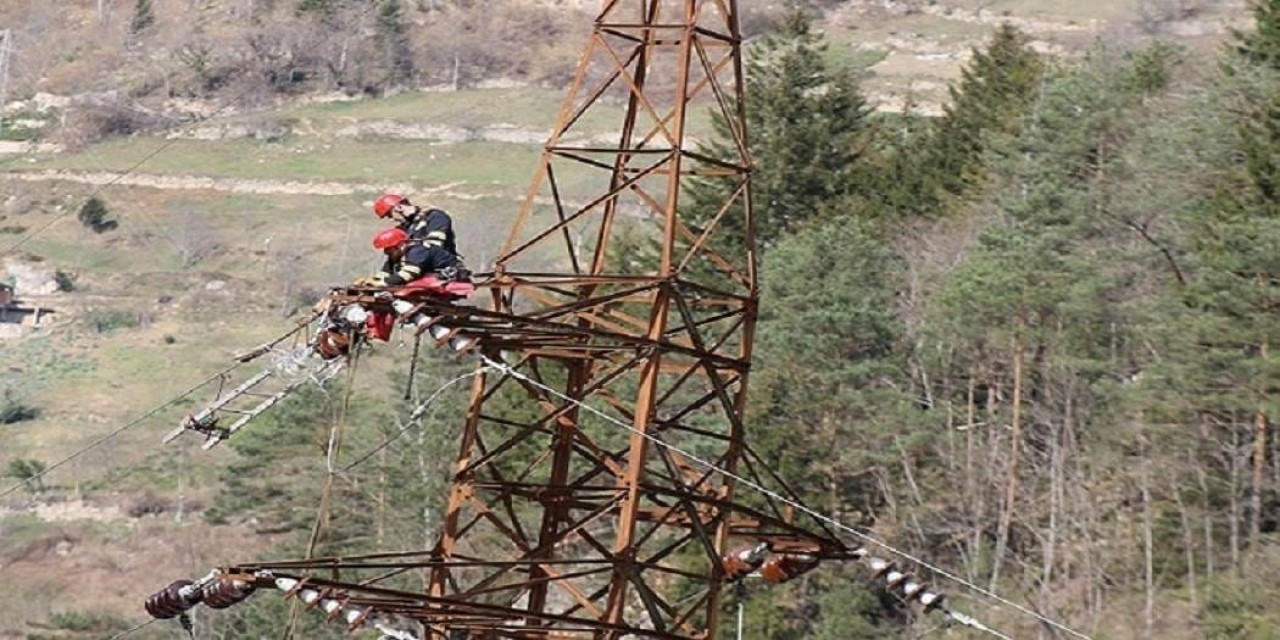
[130,632]
[414,419]
[129,425]
[959,617]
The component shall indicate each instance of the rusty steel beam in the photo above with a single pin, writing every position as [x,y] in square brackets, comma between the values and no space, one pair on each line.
[663,349]
[579,503]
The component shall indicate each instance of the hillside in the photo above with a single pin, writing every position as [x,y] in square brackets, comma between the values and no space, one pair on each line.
[238,158]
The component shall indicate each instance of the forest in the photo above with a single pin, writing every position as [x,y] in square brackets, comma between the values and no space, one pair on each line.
[1031,338]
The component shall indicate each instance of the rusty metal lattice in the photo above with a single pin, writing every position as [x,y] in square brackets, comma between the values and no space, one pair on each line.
[559,523]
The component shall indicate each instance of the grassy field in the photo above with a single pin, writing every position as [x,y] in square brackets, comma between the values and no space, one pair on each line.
[193,275]
[475,167]
[529,107]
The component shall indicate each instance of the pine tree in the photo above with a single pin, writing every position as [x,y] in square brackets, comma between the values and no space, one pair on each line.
[823,400]
[925,163]
[1233,301]
[995,89]
[143,17]
[1031,326]
[827,342]
[808,125]
[1262,46]
[93,214]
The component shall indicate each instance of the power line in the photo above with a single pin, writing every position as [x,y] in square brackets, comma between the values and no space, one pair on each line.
[126,427]
[41,229]
[172,401]
[133,630]
[413,420]
[801,507]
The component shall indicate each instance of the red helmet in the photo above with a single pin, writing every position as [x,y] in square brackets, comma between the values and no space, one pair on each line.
[382,206]
[390,239]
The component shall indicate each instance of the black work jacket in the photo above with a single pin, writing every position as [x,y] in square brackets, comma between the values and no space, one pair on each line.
[419,260]
[432,227]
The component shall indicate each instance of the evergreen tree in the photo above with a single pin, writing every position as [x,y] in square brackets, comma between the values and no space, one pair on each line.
[143,17]
[924,164]
[1235,294]
[93,214]
[1032,327]
[1262,46]
[808,125]
[995,89]
[827,345]
[393,42]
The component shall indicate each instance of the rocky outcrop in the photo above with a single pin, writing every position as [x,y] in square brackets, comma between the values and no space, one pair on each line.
[31,278]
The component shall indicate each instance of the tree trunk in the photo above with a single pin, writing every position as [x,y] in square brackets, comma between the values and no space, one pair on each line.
[971,498]
[1259,459]
[1059,508]
[1207,511]
[1011,483]
[1149,582]
[1233,499]
[1188,540]
[1055,504]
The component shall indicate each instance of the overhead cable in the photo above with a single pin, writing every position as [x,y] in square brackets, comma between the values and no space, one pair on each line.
[955,615]
[169,403]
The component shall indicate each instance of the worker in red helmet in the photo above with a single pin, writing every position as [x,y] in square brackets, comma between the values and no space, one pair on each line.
[408,260]
[432,227]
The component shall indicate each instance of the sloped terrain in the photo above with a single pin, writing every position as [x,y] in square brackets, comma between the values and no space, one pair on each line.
[229,229]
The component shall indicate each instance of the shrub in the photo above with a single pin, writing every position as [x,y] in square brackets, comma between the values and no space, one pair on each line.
[108,320]
[12,410]
[149,504]
[85,622]
[109,117]
[64,280]
[27,470]
[93,214]
[143,17]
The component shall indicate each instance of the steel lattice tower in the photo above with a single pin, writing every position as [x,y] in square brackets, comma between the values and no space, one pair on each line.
[583,501]
[599,526]
[596,490]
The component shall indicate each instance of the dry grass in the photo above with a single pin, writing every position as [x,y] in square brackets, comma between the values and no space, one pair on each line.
[88,382]
[108,566]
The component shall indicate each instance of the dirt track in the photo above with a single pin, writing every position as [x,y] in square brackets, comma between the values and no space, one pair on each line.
[233,185]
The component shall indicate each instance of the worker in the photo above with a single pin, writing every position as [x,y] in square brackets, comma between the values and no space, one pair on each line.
[431,227]
[414,263]
[408,260]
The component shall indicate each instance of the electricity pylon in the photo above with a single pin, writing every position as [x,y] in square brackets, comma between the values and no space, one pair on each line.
[592,522]
[595,489]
